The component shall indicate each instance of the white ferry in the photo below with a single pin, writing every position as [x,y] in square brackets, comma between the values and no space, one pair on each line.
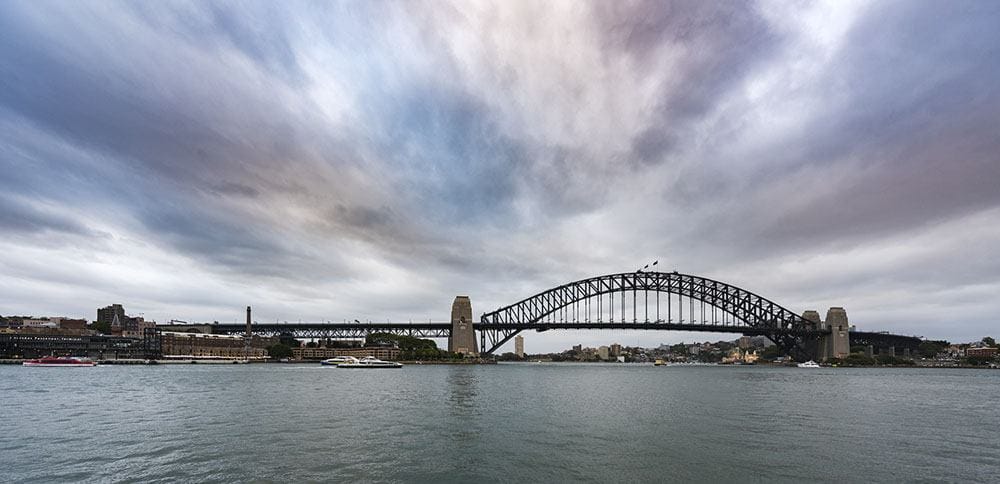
[337,360]
[370,362]
[809,364]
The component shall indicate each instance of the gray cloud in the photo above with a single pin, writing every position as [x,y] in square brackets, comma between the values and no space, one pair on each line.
[17,217]
[374,159]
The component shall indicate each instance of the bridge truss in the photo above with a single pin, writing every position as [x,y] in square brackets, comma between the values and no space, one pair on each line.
[651,300]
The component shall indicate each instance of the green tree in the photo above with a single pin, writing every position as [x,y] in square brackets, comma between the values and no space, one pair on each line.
[976,360]
[289,341]
[279,351]
[893,360]
[102,327]
[989,341]
[769,353]
[857,359]
[929,349]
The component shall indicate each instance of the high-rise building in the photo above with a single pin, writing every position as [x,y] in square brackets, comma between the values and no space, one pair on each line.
[616,350]
[602,352]
[744,342]
[107,314]
[519,346]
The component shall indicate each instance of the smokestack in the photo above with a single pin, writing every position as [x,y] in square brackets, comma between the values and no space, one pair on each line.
[249,332]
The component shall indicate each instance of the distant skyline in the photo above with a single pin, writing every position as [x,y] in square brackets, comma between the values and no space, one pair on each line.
[372,160]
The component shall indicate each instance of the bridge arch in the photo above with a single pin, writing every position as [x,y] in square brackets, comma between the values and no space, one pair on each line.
[742,311]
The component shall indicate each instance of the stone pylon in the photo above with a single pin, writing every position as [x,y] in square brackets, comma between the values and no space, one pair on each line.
[463,334]
[838,344]
[816,348]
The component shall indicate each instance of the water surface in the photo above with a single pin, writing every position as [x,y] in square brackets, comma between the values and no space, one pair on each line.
[497,423]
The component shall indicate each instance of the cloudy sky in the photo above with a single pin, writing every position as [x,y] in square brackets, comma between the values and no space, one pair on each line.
[372,160]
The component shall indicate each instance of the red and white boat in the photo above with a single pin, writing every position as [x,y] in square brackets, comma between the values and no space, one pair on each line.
[55,361]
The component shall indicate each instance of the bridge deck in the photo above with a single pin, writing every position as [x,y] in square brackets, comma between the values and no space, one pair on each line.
[437,329]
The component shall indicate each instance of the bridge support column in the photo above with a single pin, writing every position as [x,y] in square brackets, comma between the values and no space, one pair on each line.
[815,347]
[837,344]
[463,335]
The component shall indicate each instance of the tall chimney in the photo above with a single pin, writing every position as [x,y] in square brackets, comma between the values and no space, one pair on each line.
[247,338]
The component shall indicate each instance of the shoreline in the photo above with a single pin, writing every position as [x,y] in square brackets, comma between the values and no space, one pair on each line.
[19,361]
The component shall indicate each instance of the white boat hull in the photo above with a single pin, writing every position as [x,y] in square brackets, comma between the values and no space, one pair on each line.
[59,365]
[356,365]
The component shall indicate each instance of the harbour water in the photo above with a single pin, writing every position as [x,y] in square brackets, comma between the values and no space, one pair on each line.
[498,423]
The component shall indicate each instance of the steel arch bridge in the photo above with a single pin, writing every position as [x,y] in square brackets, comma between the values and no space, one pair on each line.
[623,301]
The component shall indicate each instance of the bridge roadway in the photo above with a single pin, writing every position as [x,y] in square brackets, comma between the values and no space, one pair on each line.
[443,330]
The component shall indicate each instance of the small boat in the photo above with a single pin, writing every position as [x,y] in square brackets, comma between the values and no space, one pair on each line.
[370,362]
[57,361]
[337,360]
[809,364]
[659,363]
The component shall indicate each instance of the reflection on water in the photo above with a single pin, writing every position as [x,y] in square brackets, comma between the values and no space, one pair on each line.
[503,422]
[462,384]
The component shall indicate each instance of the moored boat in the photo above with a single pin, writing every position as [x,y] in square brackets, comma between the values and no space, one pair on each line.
[809,364]
[370,362]
[60,361]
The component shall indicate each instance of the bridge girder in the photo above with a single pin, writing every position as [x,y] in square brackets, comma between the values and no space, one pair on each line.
[750,313]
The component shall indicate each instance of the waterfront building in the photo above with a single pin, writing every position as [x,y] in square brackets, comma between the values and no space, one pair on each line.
[603,353]
[38,323]
[48,342]
[741,356]
[615,350]
[519,346]
[135,327]
[50,329]
[70,323]
[984,352]
[200,345]
[380,352]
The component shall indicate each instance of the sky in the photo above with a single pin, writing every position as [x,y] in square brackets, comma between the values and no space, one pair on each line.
[371,160]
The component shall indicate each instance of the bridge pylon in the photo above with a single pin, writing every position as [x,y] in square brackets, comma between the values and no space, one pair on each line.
[463,335]
[837,343]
